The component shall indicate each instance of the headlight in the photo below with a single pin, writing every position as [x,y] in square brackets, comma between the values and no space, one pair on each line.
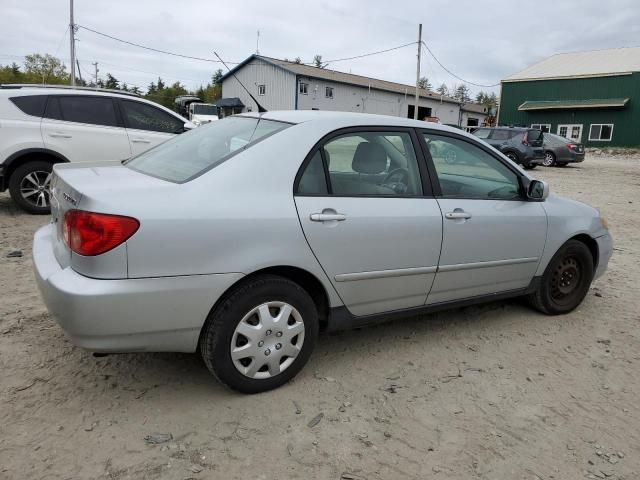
[604,223]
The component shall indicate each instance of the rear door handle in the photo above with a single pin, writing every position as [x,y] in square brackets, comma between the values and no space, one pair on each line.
[140,140]
[457,215]
[327,217]
[60,135]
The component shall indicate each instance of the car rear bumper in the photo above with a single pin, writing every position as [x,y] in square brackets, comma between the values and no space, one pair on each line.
[128,315]
[605,250]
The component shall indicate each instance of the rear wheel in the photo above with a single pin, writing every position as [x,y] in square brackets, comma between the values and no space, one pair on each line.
[513,157]
[565,281]
[549,159]
[261,334]
[29,187]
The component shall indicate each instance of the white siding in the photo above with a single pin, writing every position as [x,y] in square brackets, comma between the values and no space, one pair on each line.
[352,98]
[280,86]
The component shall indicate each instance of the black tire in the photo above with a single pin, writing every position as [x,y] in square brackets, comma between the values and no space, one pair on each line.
[549,159]
[530,166]
[565,281]
[19,181]
[513,156]
[562,164]
[218,331]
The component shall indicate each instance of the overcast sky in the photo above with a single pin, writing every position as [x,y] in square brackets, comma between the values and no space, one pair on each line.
[481,41]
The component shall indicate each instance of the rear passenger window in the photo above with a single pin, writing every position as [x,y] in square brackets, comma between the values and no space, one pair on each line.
[140,116]
[31,104]
[482,133]
[364,164]
[91,110]
[501,135]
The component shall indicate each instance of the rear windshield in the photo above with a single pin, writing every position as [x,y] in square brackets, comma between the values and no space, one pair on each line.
[190,154]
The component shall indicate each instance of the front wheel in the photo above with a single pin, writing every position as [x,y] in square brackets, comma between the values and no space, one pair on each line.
[565,281]
[513,157]
[261,334]
[29,187]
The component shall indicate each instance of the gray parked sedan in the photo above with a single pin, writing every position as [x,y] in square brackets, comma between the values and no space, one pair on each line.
[559,151]
[246,237]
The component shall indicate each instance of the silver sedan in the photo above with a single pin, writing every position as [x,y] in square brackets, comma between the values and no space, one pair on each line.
[245,238]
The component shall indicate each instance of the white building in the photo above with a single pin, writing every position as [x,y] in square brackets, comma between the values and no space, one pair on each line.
[282,85]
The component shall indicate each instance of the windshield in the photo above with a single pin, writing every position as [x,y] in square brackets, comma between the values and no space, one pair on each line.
[205,109]
[190,154]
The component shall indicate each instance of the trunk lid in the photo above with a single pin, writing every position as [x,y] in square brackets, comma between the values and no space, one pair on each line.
[101,187]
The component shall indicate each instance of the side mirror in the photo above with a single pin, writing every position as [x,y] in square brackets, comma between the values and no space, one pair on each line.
[538,190]
[189,126]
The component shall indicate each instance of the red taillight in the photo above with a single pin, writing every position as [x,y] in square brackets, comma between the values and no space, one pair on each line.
[88,233]
[571,146]
[525,139]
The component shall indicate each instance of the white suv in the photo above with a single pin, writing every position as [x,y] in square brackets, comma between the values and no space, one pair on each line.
[40,126]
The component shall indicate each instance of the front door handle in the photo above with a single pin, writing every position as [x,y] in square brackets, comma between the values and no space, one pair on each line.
[457,214]
[327,217]
[140,140]
[59,135]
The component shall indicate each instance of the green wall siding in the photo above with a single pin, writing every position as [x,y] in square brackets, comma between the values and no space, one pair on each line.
[626,130]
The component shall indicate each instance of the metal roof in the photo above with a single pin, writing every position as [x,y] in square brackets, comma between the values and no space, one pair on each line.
[572,104]
[595,63]
[341,77]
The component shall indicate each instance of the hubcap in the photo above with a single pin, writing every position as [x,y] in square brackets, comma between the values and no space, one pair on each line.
[34,188]
[566,278]
[267,340]
[548,159]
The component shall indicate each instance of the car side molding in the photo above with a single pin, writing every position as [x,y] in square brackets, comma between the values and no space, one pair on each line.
[341,319]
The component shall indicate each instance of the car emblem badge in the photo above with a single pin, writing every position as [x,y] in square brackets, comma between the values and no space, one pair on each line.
[69,198]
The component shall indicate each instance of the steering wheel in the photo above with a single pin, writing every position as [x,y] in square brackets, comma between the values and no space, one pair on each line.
[398,180]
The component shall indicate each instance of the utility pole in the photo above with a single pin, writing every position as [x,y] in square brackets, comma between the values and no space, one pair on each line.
[258,43]
[415,109]
[79,71]
[72,43]
[95,66]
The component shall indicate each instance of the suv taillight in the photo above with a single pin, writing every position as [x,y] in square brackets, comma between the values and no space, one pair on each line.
[89,233]
[525,139]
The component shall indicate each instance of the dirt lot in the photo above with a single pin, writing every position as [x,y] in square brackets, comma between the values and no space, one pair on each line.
[491,392]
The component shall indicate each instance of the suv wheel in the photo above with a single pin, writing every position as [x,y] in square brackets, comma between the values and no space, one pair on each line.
[513,157]
[565,281]
[261,335]
[29,187]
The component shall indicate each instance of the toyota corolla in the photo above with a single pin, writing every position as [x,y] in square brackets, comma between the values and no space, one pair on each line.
[246,237]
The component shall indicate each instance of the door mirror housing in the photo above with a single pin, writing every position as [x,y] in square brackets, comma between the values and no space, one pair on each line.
[189,126]
[538,190]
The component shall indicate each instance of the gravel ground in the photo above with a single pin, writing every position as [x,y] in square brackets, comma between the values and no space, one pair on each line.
[490,392]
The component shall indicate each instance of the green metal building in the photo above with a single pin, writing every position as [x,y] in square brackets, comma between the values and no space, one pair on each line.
[591,97]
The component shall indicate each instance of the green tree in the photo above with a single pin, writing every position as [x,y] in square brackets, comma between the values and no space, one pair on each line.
[424,83]
[297,60]
[461,93]
[217,76]
[111,82]
[317,61]
[44,65]
[443,90]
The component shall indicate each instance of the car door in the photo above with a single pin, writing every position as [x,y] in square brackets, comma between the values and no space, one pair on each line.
[493,237]
[370,219]
[148,126]
[84,128]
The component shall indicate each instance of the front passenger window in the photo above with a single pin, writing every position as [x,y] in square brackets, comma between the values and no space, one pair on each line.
[466,171]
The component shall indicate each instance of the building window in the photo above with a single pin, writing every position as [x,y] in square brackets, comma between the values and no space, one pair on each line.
[545,127]
[601,132]
[328,92]
[304,88]
[261,89]
[571,131]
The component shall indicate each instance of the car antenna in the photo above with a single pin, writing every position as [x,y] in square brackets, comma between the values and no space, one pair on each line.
[261,109]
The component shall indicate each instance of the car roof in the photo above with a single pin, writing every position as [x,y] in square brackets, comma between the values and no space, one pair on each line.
[347,118]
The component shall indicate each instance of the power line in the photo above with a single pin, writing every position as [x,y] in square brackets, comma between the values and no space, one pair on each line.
[181,55]
[151,48]
[453,74]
